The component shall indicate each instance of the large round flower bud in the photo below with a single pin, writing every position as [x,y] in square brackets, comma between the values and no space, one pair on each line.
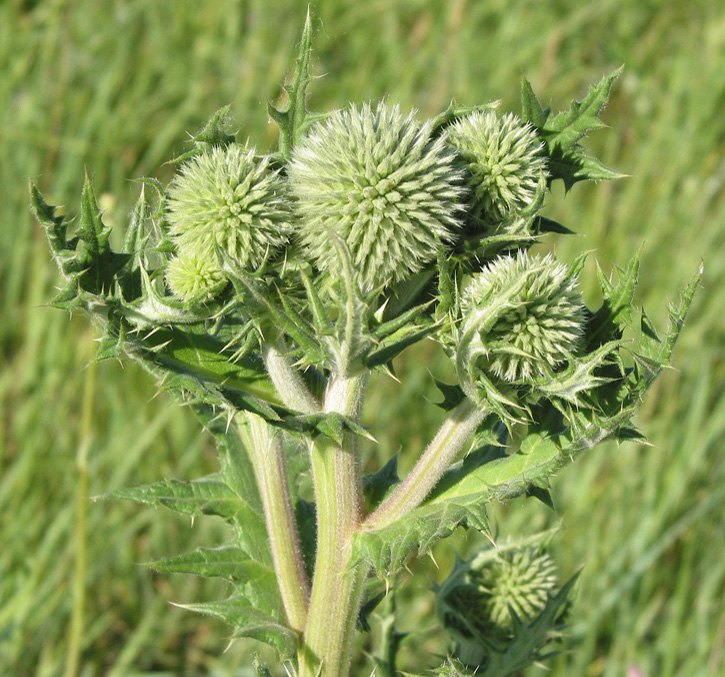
[382,184]
[228,199]
[522,317]
[505,166]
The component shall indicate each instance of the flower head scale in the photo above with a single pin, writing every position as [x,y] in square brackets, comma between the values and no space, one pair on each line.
[194,278]
[380,182]
[522,316]
[228,199]
[505,168]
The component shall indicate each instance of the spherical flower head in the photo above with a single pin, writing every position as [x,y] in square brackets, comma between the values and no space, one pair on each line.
[227,199]
[380,182]
[522,317]
[505,166]
[520,580]
[194,278]
[477,600]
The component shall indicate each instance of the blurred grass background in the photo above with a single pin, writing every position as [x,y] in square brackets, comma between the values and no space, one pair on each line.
[115,87]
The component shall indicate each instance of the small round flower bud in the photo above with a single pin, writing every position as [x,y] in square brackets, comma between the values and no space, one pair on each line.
[522,317]
[228,199]
[379,181]
[520,580]
[194,278]
[505,168]
[477,600]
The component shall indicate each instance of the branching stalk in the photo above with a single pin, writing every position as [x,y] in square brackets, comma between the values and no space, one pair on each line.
[265,452]
[337,588]
[450,440]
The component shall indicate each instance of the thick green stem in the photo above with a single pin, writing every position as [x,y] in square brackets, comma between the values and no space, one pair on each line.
[450,440]
[337,587]
[265,452]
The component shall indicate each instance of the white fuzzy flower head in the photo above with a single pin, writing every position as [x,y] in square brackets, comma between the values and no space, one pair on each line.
[194,278]
[228,199]
[505,166]
[522,317]
[379,181]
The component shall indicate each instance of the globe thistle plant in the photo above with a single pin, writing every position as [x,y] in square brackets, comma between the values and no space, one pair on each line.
[226,199]
[505,166]
[379,181]
[278,372]
[522,318]
[194,278]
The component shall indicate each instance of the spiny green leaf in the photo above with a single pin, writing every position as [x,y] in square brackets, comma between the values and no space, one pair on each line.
[206,496]
[214,133]
[543,224]
[136,236]
[294,119]
[453,395]
[227,562]
[323,323]
[54,224]
[99,263]
[574,166]
[531,109]
[255,581]
[567,128]
[562,133]
[463,492]
[250,622]
[630,434]
[392,346]
[677,314]
[71,297]
[112,343]
[616,309]
[85,260]
[452,668]
[198,353]
[580,377]
[330,424]
[92,230]
[542,494]
[406,318]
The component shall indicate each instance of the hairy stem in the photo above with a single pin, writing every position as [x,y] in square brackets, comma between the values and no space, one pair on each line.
[337,587]
[265,452]
[449,441]
[286,379]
